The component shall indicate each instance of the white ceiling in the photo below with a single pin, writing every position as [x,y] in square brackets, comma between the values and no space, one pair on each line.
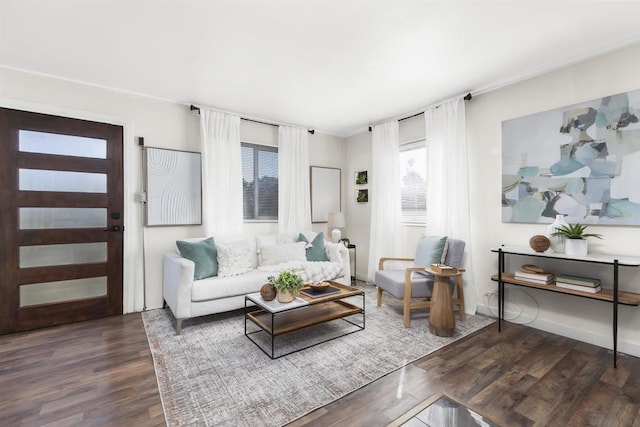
[336,66]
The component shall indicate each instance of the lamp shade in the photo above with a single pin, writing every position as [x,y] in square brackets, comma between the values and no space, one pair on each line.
[336,220]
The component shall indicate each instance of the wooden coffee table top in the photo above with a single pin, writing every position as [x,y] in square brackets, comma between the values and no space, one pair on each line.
[302,300]
[345,291]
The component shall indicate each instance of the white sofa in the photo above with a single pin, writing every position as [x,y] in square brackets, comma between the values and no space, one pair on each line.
[188,298]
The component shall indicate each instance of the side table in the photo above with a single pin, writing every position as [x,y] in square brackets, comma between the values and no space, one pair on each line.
[441,320]
[353,272]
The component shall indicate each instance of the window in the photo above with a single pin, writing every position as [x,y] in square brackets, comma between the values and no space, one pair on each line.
[260,182]
[413,182]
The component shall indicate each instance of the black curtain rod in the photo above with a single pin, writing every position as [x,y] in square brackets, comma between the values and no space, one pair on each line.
[194,108]
[467,97]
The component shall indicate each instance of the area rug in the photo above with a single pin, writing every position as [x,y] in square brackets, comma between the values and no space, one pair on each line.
[213,375]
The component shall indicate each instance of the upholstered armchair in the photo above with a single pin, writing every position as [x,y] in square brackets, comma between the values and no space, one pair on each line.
[412,284]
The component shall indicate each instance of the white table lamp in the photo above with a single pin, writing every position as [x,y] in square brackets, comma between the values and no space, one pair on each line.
[334,223]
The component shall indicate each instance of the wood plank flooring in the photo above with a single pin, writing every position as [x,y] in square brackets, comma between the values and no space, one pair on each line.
[94,373]
[100,373]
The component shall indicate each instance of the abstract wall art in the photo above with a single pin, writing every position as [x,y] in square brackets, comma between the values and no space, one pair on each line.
[173,186]
[581,161]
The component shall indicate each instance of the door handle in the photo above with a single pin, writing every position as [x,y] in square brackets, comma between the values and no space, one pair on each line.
[115,228]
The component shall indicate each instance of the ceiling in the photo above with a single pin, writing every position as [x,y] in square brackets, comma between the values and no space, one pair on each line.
[336,66]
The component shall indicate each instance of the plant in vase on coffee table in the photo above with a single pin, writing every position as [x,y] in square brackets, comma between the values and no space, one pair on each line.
[286,283]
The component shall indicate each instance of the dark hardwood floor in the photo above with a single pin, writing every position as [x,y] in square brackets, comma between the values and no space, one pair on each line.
[94,373]
[100,373]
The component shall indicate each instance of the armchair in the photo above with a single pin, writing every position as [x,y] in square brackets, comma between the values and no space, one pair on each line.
[413,285]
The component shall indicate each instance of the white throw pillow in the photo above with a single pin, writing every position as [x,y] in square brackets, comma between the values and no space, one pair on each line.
[233,258]
[288,252]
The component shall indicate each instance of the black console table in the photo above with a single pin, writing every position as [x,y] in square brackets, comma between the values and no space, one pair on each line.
[609,295]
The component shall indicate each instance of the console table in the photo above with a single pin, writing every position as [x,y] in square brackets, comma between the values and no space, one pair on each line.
[609,295]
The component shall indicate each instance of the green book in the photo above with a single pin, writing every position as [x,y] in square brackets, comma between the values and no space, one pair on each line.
[578,280]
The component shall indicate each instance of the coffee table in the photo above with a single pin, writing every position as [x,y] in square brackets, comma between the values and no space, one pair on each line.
[277,319]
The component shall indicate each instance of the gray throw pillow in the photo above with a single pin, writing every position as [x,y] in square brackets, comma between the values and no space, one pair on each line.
[429,250]
[204,255]
[317,250]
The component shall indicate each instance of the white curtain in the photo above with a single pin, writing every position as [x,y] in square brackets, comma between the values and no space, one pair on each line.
[294,203]
[448,182]
[221,173]
[386,215]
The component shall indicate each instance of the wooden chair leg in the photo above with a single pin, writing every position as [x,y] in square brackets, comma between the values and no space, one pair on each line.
[460,292]
[379,301]
[407,310]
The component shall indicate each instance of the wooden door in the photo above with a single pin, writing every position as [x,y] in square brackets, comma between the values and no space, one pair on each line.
[61,220]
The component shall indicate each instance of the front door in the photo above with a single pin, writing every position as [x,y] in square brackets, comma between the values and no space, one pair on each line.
[61,216]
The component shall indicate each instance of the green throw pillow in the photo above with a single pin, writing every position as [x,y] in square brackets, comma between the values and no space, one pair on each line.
[204,254]
[429,250]
[317,251]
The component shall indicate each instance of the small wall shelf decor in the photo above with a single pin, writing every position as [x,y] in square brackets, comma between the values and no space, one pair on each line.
[325,192]
[173,184]
[361,178]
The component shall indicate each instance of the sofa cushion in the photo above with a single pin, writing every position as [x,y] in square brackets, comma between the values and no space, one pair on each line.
[316,250]
[223,287]
[233,258]
[277,254]
[203,254]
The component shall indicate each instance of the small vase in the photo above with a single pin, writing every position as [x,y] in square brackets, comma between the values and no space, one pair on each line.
[285,296]
[557,242]
[576,247]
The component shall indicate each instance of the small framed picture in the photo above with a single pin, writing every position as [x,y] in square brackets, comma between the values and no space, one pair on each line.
[361,178]
[362,196]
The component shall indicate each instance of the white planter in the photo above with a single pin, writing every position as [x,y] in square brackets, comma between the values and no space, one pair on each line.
[575,247]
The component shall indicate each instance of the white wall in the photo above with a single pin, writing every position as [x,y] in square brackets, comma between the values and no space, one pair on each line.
[163,124]
[575,317]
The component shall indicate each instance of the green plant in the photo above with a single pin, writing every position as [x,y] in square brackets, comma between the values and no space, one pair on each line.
[287,280]
[574,231]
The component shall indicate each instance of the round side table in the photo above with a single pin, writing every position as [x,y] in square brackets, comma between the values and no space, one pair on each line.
[441,320]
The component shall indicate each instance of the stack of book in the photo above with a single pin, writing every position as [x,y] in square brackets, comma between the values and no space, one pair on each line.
[444,269]
[541,278]
[577,283]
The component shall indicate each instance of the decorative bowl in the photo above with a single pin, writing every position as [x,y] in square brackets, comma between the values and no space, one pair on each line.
[319,286]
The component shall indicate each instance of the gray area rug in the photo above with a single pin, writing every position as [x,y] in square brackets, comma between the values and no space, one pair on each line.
[213,375]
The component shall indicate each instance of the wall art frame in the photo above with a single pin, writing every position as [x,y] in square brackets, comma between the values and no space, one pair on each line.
[326,192]
[362,195]
[361,177]
[581,161]
[173,187]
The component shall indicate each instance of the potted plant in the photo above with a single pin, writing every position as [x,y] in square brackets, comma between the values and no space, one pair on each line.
[576,238]
[286,283]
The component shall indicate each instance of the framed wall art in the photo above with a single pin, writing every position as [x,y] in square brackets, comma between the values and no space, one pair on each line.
[173,186]
[361,178]
[325,192]
[581,161]
[362,196]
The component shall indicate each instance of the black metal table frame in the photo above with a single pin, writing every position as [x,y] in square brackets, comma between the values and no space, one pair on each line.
[275,314]
[614,263]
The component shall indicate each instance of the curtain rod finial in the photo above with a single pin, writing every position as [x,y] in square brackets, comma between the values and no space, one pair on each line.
[467,97]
